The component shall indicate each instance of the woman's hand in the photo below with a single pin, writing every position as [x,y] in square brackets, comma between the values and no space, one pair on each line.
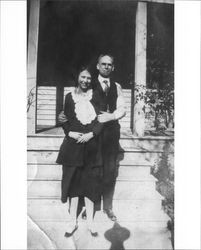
[75,135]
[85,137]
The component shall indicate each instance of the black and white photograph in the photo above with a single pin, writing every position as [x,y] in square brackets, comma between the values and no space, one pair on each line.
[100,124]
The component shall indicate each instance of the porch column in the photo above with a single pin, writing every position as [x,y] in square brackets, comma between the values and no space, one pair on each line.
[140,65]
[33,23]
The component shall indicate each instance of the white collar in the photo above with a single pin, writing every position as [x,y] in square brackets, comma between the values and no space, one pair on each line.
[101,79]
[85,96]
[84,110]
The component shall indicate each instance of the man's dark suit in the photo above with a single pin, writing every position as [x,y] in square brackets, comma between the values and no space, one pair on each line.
[111,136]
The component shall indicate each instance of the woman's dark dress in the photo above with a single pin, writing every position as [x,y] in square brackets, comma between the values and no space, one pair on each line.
[82,162]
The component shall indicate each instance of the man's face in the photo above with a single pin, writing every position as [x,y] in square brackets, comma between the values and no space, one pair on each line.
[84,80]
[105,66]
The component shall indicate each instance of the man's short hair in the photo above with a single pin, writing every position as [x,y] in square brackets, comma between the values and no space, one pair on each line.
[102,55]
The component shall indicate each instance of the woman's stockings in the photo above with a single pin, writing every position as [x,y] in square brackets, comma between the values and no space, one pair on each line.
[90,214]
[73,212]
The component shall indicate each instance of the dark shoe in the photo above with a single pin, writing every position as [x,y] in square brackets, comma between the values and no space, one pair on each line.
[94,234]
[92,230]
[69,234]
[110,214]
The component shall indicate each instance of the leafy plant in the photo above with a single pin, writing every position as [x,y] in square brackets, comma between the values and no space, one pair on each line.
[31,98]
[163,170]
[158,102]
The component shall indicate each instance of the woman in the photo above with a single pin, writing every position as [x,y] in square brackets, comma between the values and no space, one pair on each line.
[80,152]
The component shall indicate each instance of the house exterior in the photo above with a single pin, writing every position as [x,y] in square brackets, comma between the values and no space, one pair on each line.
[137,62]
[137,199]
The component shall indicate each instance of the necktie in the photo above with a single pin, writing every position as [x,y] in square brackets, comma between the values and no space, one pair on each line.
[106,89]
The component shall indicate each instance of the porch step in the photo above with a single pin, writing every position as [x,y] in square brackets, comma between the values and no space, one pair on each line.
[136,202]
[126,158]
[130,211]
[126,190]
[53,140]
[54,172]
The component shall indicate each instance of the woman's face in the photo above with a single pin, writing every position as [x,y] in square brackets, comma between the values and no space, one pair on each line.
[84,80]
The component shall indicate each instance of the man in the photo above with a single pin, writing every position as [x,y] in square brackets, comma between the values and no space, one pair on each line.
[109,97]
[113,107]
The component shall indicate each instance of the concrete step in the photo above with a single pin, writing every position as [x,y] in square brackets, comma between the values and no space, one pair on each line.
[54,143]
[149,236]
[130,211]
[54,172]
[49,157]
[133,157]
[123,190]
[139,235]
[54,140]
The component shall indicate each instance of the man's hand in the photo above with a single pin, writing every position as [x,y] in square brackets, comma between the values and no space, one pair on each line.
[62,118]
[75,135]
[85,137]
[106,117]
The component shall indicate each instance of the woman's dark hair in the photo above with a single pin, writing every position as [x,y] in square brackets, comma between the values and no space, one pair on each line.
[83,68]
